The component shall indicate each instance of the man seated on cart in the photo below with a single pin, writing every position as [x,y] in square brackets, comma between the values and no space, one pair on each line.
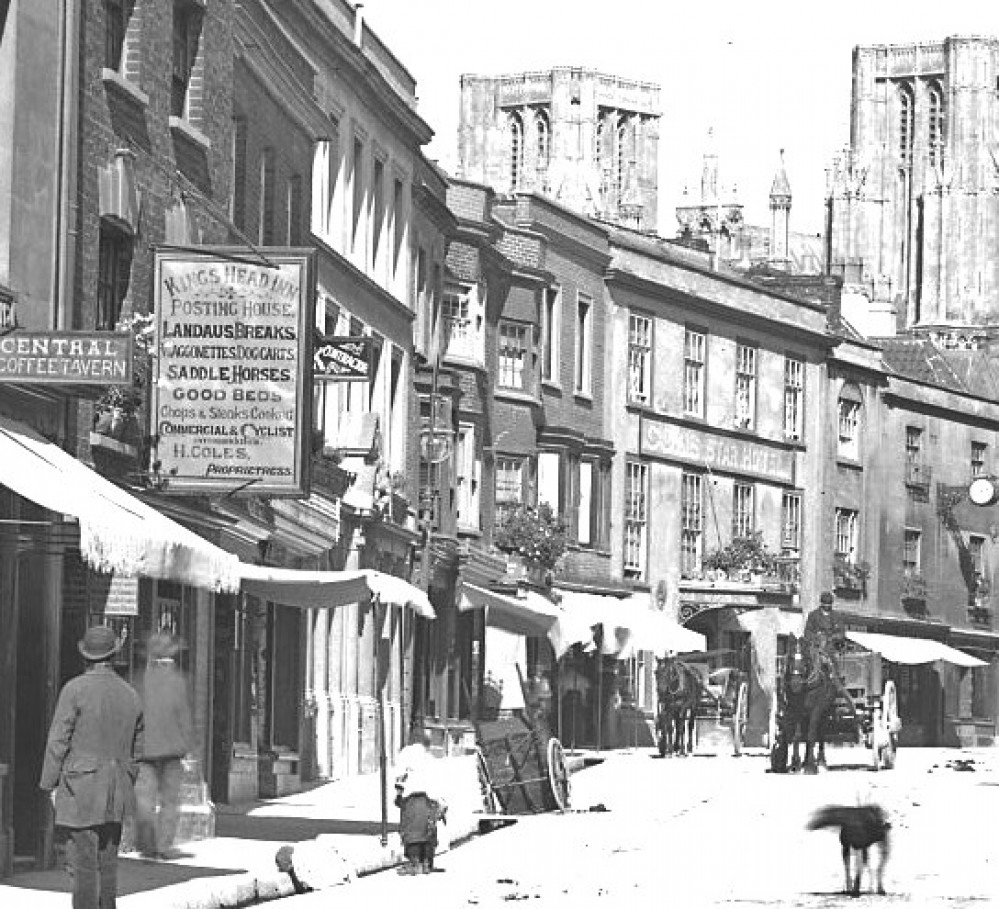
[826,634]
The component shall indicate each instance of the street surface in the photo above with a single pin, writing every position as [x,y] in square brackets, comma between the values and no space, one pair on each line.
[720,831]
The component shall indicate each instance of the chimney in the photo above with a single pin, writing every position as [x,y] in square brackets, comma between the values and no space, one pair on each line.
[358,23]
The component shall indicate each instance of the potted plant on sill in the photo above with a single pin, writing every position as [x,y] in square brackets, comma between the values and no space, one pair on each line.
[116,410]
[849,577]
[535,536]
[745,558]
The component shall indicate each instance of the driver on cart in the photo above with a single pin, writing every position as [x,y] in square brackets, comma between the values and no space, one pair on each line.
[825,632]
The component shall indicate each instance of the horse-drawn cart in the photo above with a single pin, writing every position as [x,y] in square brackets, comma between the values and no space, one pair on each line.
[708,696]
[859,724]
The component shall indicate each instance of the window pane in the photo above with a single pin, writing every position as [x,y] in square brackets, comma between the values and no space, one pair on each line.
[512,355]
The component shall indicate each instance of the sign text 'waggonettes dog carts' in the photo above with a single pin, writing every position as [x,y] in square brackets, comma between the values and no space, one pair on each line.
[231,406]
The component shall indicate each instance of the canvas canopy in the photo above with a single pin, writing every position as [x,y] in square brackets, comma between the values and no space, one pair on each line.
[118,532]
[912,651]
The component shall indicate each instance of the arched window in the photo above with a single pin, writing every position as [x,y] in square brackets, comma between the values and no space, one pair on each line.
[937,123]
[544,132]
[515,130]
[906,123]
[620,156]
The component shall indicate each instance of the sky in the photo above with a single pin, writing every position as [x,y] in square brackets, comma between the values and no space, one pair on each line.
[764,76]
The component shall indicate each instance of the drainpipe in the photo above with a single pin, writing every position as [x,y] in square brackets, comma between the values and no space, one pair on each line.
[64,227]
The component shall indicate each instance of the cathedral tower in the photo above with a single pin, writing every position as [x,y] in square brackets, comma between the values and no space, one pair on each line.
[913,203]
[588,140]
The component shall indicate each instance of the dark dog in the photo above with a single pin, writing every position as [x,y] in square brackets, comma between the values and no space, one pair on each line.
[860,827]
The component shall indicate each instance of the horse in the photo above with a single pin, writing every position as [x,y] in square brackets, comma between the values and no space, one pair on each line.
[678,689]
[809,691]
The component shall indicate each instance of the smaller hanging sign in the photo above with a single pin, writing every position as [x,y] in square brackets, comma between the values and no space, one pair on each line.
[337,359]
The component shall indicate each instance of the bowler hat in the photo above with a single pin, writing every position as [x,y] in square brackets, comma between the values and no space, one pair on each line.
[163,645]
[826,597]
[98,643]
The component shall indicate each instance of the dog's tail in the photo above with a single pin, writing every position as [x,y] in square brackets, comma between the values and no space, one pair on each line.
[831,816]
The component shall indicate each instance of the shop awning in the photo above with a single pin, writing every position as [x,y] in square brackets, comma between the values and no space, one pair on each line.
[912,651]
[531,618]
[317,589]
[118,532]
[629,625]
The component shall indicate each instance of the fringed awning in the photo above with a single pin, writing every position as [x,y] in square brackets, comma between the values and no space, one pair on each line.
[118,532]
[322,589]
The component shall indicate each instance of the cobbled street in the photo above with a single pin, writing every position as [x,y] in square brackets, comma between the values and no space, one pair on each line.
[720,831]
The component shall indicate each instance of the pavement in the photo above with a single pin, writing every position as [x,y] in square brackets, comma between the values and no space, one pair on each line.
[237,867]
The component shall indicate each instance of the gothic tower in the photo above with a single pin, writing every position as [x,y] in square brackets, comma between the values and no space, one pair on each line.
[780,217]
[588,140]
[912,206]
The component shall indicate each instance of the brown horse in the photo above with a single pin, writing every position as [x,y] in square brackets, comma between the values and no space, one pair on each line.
[678,689]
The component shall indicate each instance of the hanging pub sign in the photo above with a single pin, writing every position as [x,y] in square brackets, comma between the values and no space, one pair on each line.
[231,405]
[342,359]
[66,357]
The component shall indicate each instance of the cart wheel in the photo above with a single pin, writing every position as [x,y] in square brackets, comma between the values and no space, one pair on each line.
[892,723]
[890,701]
[558,775]
[740,718]
[490,803]
[772,721]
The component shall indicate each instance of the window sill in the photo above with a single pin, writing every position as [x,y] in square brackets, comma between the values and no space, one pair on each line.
[462,360]
[512,394]
[848,463]
[585,397]
[115,81]
[183,129]
[551,385]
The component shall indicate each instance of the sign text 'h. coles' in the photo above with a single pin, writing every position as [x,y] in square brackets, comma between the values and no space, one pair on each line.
[230,400]
[336,359]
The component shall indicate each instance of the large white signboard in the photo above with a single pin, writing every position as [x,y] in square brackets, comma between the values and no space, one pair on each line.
[231,403]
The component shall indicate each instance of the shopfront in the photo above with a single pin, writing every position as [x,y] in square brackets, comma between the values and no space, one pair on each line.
[74,550]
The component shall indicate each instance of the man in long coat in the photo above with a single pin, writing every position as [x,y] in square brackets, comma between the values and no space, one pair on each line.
[90,768]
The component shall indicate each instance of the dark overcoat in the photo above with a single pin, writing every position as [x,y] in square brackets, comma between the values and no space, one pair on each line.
[95,736]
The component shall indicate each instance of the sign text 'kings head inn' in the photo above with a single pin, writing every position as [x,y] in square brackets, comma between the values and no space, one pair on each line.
[230,406]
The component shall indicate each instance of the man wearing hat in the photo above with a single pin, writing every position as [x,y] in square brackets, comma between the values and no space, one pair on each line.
[89,768]
[169,738]
[823,626]
[825,631]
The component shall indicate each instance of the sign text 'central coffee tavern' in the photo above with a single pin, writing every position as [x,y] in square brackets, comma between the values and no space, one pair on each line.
[231,401]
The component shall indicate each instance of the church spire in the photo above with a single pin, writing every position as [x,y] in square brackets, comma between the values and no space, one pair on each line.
[780,217]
